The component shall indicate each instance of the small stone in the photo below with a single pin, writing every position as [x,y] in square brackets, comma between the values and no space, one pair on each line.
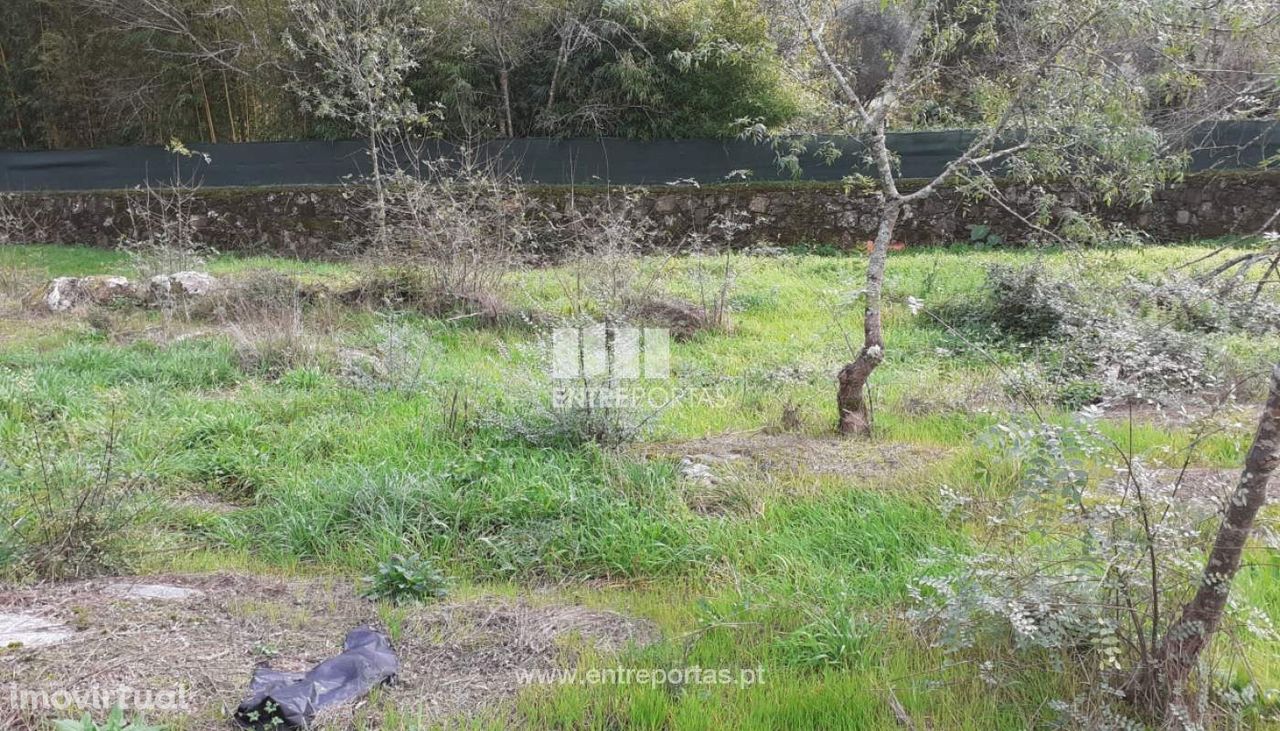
[180,284]
[159,287]
[193,283]
[161,592]
[28,630]
[1183,217]
[759,204]
[62,294]
[697,472]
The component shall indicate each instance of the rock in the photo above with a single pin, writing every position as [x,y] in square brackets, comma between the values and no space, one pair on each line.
[160,592]
[28,630]
[66,293]
[180,284]
[62,294]
[193,283]
[697,472]
[360,368]
[765,250]
[160,287]
[666,204]
[104,289]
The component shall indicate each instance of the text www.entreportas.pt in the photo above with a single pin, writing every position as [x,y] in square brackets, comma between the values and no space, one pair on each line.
[653,677]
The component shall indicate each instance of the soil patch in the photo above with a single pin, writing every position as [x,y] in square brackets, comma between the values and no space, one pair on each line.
[456,658]
[731,473]
[152,592]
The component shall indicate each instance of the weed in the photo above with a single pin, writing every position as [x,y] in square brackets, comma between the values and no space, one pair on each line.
[115,722]
[68,515]
[404,578]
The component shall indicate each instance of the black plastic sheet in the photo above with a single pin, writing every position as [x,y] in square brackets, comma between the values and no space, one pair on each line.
[291,700]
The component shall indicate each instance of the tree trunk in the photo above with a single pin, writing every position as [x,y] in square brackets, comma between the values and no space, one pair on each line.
[379,191]
[1164,685]
[851,396]
[231,111]
[562,57]
[208,108]
[504,82]
[13,97]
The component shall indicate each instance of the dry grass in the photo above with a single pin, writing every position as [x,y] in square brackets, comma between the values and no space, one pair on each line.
[456,658]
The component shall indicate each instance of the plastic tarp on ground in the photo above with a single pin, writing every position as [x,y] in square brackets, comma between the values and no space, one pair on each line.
[291,700]
[1225,145]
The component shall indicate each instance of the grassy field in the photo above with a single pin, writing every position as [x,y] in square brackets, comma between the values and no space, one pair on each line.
[264,452]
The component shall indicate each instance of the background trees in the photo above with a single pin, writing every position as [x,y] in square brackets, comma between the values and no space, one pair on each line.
[77,73]
[99,72]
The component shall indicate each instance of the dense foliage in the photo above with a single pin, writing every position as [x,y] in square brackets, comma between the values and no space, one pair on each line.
[78,73]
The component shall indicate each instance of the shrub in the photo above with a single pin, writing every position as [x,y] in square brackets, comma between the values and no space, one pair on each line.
[1090,342]
[264,318]
[455,227]
[1192,304]
[115,722]
[1087,573]
[67,514]
[407,578]
[163,233]
[412,287]
[1027,303]
[541,424]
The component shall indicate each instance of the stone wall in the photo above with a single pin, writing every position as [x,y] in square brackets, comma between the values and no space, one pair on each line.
[317,222]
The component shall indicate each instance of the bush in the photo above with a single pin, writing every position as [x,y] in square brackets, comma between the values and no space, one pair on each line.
[652,70]
[454,228]
[1090,342]
[67,514]
[1087,573]
[571,425]
[407,578]
[1027,303]
[410,287]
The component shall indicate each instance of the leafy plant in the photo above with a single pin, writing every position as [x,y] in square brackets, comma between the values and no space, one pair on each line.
[982,235]
[1087,573]
[1028,303]
[404,578]
[115,722]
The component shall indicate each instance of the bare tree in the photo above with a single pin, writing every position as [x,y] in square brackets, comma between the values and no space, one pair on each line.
[354,57]
[1060,107]
[578,30]
[503,28]
[223,35]
[872,116]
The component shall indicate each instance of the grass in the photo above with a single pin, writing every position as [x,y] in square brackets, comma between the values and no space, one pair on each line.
[325,475]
